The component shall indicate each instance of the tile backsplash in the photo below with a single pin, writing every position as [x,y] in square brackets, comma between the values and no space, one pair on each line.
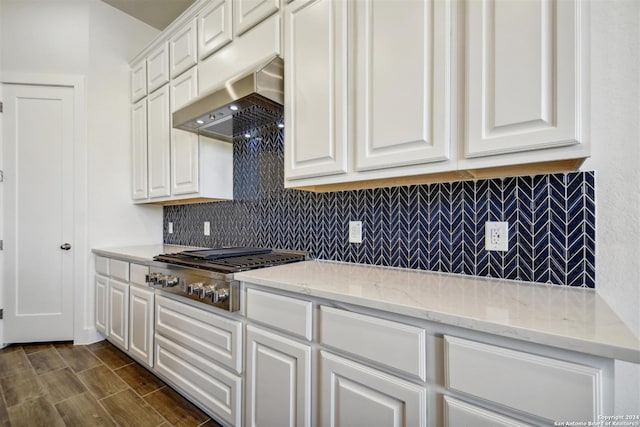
[436,227]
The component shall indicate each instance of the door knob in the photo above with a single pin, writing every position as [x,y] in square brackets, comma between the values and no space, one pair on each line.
[65,246]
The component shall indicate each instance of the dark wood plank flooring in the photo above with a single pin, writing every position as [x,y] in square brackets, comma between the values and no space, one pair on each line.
[60,384]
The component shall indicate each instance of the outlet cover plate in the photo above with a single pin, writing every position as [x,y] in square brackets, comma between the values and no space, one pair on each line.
[496,236]
[355,231]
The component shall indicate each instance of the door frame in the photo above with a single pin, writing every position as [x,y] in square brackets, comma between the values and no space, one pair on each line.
[82,307]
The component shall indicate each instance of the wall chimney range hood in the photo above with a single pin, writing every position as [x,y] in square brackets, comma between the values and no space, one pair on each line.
[245,102]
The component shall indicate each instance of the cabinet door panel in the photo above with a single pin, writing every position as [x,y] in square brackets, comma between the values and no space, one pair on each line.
[523,79]
[214,27]
[118,313]
[159,142]
[248,13]
[158,67]
[141,324]
[184,145]
[458,413]
[402,85]
[102,286]
[353,394]
[183,49]
[315,88]
[139,183]
[139,80]
[278,380]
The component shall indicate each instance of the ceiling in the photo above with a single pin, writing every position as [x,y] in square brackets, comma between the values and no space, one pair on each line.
[157,13]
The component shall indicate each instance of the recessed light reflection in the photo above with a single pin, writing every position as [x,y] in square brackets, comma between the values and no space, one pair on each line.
[247,135]
[200,122]
[233,107]
[280,125]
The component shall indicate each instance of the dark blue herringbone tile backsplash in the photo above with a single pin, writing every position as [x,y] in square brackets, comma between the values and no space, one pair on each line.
[437,227]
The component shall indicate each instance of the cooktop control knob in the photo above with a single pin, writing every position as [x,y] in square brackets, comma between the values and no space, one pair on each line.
[153,278]
[194,288]
[220,295]
[169,281]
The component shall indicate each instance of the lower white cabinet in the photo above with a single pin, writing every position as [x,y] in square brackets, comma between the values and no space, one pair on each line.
[352,394]
[141,324]
[459,413]
[278,380]
[102,297]
[118,313]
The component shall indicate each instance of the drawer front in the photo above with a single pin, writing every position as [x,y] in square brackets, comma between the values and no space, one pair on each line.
[102,265]
[119,269]
[458,413]
[214,337]
[212,386]
[138,274]
[289,314]
[392,344]
[541,386]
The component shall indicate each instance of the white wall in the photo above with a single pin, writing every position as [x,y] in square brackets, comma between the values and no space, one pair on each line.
[89,38]
[615,133]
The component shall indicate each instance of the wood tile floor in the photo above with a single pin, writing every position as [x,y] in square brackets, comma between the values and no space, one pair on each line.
[61,384]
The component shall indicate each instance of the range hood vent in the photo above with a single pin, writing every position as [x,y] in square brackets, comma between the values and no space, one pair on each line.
[245,102]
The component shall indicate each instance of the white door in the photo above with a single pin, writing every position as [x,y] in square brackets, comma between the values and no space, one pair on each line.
[102,297]
[184,145]
[118,313]
[139,183]
[141,324]
[158,142]
[38,210]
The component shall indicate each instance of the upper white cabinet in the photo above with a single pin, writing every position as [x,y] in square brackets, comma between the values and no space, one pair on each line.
[365,97]
[158,142]
[214,27]
[316,93]
[524,88]
[139,183]
[158,67]
[401,84]
[138,80]
[183,49]
[247,13]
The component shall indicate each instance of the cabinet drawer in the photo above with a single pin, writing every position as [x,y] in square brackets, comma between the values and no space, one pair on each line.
[458,413]
[119,269]
[392,344]
[102,265]
[541,386]
[212,386]
[138,274]
[214,337]
[289,314]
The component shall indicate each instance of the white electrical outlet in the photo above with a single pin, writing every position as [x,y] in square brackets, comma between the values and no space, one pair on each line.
[355,231]
[207,228]
[170,228]
[496,236]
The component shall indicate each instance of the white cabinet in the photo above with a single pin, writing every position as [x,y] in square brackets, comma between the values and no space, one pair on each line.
[459,413]
[158,143]
[183,49]
[523,75]
[316,122]
[214,27]
[118,313]
[365,97]
[141,305]
[158,67]
[278,380]
[354,394]
[139,80]
[102,298]
[248,13]
[139,183]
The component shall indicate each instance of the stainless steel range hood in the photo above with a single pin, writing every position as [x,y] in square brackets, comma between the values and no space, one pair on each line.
[245,102]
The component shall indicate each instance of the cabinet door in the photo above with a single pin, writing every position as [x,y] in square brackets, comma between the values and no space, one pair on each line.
[214,27]
[353,394]
[522,75]
[158,67]
[401,82]
[183,50]
[102,285]
[184,145]
[278,380]
[159,142]
[139,80]
[139,183]
[315,88]
[141,324]
[118,313]
[248,13]
[458,413]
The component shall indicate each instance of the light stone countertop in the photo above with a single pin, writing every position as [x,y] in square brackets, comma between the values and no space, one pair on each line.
[559,316]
